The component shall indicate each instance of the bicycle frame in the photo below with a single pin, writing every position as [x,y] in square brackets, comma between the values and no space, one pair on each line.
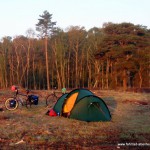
[12,103]
[21,94]
[18,100]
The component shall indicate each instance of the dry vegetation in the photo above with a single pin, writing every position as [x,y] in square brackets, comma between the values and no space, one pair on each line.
[32,129]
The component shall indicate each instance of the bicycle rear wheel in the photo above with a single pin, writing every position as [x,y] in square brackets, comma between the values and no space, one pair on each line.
[50,100]
[11,104]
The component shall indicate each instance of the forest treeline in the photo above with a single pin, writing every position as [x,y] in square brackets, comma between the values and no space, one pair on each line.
[111,57]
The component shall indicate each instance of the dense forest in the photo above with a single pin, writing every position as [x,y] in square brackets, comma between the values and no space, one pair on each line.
[111,57]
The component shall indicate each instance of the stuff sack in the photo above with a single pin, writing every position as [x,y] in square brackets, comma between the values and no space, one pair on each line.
[51,113]
[13,88]
[12,103]
[34,99]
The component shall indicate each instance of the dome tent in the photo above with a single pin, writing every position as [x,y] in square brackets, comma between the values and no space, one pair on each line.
[82,104]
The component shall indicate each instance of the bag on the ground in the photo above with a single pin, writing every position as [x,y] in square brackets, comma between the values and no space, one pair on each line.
[51,113]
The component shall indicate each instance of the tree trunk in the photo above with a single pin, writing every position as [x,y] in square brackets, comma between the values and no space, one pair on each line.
[124,80]
[28,63]
[56,65]
[33,71]
[102,75]
[107,74]
[68,71]
[76,66]
[47,66]
[140,76]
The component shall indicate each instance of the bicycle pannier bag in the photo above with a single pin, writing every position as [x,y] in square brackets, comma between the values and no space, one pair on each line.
[34,99]
[12,103]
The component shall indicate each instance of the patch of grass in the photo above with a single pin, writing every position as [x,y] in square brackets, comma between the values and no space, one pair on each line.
[129,123]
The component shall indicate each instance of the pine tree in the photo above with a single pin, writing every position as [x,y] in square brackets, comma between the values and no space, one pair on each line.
[46,28]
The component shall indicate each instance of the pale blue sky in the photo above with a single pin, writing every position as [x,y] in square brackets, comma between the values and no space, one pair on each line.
[17,16]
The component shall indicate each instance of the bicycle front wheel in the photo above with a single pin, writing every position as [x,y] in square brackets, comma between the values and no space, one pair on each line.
[50,100]
[11,104]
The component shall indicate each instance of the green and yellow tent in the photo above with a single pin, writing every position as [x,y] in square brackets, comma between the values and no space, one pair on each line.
[82,104]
